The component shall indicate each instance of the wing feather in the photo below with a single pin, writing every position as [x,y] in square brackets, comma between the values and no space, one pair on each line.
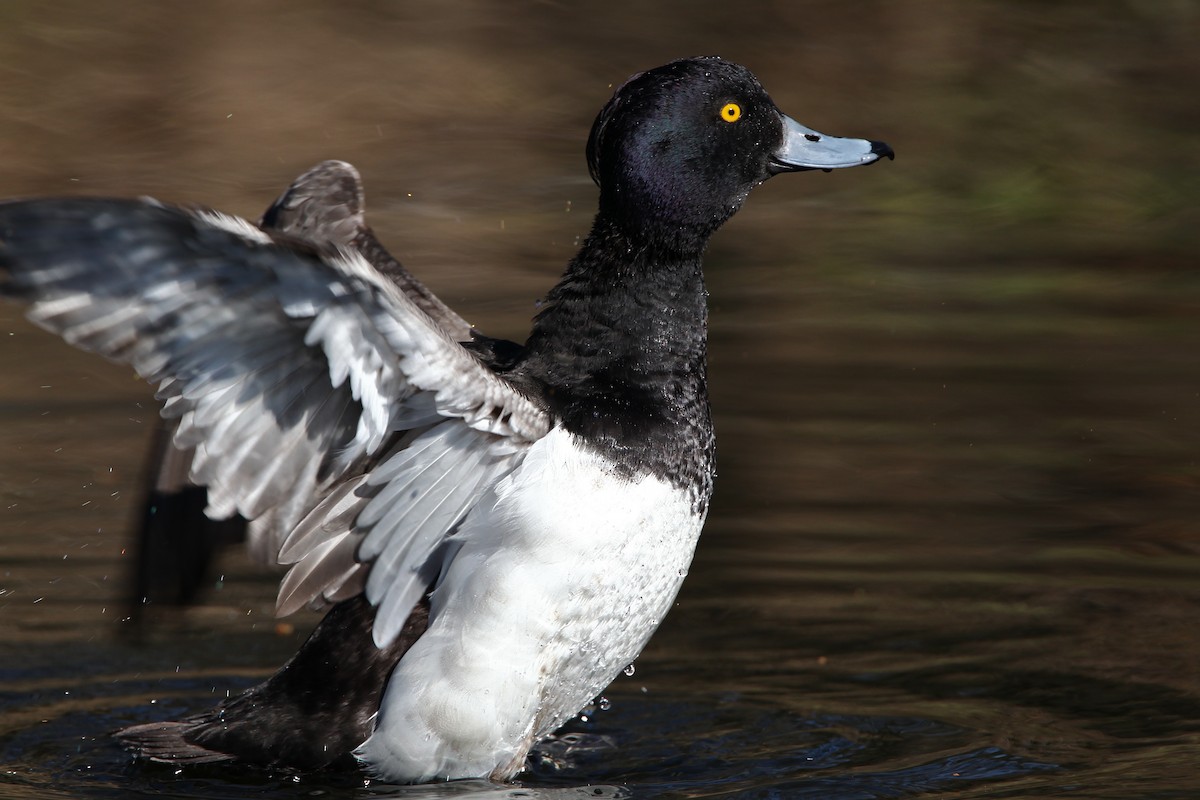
[294,371]
[422,499]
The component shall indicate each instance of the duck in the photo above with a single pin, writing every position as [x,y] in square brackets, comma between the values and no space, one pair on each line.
[494,530]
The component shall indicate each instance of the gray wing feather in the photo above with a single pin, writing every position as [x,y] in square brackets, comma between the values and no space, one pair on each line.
[326,205]
[424,490]
[292,372]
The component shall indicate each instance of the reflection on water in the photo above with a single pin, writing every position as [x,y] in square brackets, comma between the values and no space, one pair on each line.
[954,550]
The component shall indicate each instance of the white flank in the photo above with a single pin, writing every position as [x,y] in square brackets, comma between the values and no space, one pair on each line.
[565,571]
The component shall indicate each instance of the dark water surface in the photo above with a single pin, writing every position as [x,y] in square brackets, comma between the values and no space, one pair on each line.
[955,549]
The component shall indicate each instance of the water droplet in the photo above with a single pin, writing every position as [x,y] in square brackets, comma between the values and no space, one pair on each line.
[603,703]
[629,670]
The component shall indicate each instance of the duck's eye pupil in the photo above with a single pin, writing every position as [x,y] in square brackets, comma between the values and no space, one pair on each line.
[731,112]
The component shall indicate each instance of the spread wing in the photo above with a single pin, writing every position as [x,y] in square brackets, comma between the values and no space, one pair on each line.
[315,392]
[325,206]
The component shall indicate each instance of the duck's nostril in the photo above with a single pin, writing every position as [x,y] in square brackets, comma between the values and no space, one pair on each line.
[812,137]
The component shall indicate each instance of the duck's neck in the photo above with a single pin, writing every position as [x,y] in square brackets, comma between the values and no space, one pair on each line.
[621,351]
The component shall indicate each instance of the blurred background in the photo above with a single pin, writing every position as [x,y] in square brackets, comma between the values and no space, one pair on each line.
[955,546]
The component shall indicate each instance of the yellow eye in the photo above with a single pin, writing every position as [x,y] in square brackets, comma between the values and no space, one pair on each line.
[731,112]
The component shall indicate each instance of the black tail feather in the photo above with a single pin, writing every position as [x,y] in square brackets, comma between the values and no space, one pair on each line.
[311,714]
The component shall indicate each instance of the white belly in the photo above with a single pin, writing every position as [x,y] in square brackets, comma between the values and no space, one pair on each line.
[564,574]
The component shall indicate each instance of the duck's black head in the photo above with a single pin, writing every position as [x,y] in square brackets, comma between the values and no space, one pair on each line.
[678,148]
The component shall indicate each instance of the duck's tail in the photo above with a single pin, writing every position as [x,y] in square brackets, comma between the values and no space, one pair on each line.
[310,715]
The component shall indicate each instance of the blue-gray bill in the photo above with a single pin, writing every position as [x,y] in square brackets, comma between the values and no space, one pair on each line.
[803,148]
